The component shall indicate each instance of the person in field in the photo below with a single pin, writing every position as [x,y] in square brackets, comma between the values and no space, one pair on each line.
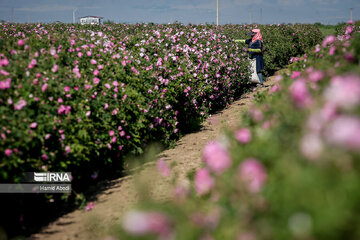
[255,50]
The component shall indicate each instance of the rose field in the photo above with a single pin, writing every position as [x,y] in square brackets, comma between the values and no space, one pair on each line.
[89,99]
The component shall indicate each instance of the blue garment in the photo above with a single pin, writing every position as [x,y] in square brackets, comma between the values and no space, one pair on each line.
[260,78]
[258,56]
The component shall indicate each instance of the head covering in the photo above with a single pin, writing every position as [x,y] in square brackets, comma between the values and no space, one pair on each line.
[257,35]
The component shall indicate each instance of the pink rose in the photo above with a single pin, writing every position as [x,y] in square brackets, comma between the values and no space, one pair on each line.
[55,68]
[253,174]
[216,157]
[96,80]
[44,87]
[328,40]
[300,93]
[5,84]
[21,42]
[33,125]
[139,223]
[89,206]
[316,76]
[67,149]
[344,131]
[8,152]
[344,91]
[203,181]
[243,135]
[295,74]
[20,104]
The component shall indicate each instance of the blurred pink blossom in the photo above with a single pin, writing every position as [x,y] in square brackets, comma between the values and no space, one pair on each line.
[44,87]
[111,133]
[5,84]
[88,113]
[332,50]
[274,89]
[66,89]
[55,68]
[21,42]
[20,104]
[311,146]
[4,73]
[243,135]
[96,80]
[8,152]
[349,57]
[344,91]
[32,63]
[182,190]
[216,157]
[316,76]
[139,223]
[349,30]
[67,149]
[163,168]
[295,74]
[256,114]
[328,40]
[253,174]
[344,131]
[93,61]
[203,181]
[33,125]
[300,93]
[90,206]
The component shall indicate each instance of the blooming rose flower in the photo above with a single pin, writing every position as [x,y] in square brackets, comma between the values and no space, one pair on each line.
[203,181]
[344,131]
[216,157]
[344,91]
[8,152]
[328,40]
[253,174]
[139,223]
[243,135]
[300,93]
[20,104]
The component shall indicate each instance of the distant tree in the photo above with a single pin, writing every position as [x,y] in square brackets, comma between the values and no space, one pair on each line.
[108,21]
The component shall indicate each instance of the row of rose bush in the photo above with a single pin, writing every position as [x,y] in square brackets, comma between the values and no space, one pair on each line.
[74,96]
[79,98]
[290,171]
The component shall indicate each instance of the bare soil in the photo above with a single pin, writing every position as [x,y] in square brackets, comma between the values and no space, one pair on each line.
[122,194]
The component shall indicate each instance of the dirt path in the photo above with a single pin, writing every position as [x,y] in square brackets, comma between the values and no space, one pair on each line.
[111,203]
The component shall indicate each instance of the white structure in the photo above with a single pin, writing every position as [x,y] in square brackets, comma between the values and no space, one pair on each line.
[90,20]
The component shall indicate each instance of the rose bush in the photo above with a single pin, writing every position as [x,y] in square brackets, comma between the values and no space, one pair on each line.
[294,171]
